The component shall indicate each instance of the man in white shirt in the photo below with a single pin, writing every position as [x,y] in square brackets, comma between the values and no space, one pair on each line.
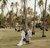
[29,34]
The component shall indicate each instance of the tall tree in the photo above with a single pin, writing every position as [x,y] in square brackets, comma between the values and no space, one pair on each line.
[25,13]
[44,14]
[40,3]
[12,14]
[34,18]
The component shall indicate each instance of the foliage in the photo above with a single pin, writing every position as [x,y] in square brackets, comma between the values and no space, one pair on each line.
[18,19]
[2,20]
[29,23]
[49,8]
[40,3]
[8,20]
[48,19]
[23,21]
[1,26]
[36,18]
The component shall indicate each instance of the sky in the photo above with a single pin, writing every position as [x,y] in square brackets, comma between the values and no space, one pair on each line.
[29,4]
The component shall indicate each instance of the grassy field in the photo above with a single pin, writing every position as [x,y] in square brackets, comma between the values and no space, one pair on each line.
[9,38]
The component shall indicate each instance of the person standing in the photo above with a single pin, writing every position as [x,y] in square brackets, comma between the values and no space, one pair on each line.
[29,34]
[22,37]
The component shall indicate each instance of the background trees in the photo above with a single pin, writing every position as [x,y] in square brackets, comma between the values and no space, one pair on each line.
[25,15]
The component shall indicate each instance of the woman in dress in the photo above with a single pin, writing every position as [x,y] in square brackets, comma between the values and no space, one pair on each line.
[22,37]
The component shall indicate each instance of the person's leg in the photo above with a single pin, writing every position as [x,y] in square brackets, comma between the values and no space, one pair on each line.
[29,40]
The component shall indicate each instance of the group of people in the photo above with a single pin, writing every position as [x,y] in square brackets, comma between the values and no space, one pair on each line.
[29,34]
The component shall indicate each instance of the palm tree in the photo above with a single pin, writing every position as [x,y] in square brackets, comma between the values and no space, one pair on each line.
[25,13]
[12,5]
[21,15]
[44,14]
[4,3]
[30,12]
[16,5]
[2,7]
[40,3]
[18,21]
[12,14]
[34,18]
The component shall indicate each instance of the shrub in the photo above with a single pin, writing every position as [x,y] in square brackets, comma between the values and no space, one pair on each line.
[0,23]
[1,26]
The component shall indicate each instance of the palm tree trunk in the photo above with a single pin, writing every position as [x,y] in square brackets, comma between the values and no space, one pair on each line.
[2,11]
[34,18]
[44,14]
[41,16]
[10,24]
[25,14]
[10,19]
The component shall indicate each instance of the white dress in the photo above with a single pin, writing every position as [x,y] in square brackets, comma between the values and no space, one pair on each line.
[22,37]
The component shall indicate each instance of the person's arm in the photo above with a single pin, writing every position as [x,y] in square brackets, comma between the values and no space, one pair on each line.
[23,34]
[30,33]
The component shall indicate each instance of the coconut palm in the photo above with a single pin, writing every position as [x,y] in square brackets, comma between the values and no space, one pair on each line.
[30,12]
[2,7]
[40,3]
[44,14]
[12,14]
[29,22]
[12,5]
[16,5]
[4,3]
[25,13]
[18,20]
[34,18]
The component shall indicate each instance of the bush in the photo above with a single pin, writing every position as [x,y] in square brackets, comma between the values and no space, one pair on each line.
[1,26]
[0,23]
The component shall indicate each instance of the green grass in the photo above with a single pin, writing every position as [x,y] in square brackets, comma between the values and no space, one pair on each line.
[9,38]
